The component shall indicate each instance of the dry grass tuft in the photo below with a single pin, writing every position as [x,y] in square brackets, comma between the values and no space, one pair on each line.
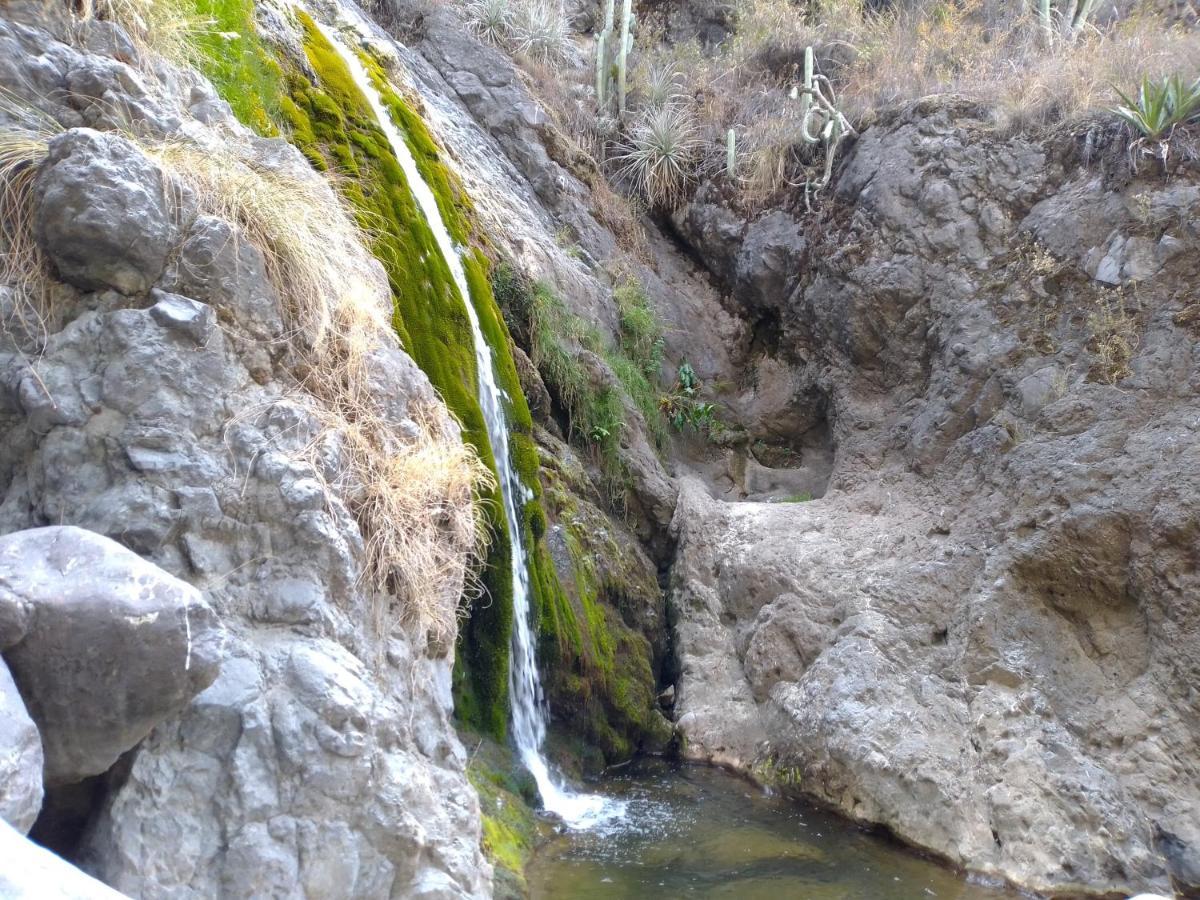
[25,134]
[413,496]
[166,28]
[416,505]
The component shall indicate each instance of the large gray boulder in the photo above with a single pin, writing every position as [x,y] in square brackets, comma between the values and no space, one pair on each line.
[30,872]
[20,758]
[112,646]
[107,216]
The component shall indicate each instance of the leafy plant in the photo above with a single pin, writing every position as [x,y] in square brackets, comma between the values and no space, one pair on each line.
[1158,109]
[683,407]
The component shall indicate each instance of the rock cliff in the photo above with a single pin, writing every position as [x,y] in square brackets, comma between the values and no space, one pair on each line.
[981,635]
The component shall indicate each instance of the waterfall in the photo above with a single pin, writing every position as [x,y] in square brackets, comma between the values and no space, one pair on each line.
[528,706]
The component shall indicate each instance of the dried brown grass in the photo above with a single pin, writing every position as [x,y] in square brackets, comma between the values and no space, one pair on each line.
[24,143]
[413,497]
[987,52]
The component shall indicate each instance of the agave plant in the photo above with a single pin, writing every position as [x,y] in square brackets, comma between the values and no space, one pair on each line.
[540,30]
[660,155]
[1159,108]
[490,20]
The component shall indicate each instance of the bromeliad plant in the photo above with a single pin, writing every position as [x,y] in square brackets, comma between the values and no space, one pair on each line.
[660,156]
[1157,110]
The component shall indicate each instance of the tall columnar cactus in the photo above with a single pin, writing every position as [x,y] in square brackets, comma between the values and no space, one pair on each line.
[806,97]
[1072,16]
[821,122]
[607,51]
[623,48]
[602,74]
[730,152]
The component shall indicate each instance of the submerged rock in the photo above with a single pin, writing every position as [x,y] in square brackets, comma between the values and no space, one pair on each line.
[113,645]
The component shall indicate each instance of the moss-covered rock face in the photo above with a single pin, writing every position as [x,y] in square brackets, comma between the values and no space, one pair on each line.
[599,625]
[602,632]
[511,830]
[332,122]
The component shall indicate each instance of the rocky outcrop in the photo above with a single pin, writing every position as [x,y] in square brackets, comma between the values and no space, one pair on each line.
[162,410]
[111,645]
[982,636]
[20,759]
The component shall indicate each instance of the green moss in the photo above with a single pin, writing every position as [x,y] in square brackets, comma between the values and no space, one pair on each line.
[511,830]
[241,68]
[333,124]
[598,668]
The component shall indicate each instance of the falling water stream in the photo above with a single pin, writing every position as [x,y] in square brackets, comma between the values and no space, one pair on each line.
[528,706]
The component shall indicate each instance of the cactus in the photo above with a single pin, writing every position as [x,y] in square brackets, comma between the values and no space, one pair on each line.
[601,68]
[821,122]
[730,151]
[806,97]
[623,48]
[1072,18]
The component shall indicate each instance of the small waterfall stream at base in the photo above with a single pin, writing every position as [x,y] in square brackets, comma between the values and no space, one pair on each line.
[528,706]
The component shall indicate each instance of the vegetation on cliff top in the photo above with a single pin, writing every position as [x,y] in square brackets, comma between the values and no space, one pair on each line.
[722,94]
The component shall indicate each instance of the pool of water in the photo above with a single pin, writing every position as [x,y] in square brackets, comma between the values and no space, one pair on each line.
[695,831]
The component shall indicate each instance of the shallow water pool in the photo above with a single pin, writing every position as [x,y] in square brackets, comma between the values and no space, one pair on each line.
[694,831]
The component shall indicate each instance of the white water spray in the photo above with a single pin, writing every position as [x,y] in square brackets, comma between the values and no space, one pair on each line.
[528,705]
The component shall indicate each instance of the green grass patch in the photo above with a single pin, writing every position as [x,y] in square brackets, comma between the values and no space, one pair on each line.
[595,408]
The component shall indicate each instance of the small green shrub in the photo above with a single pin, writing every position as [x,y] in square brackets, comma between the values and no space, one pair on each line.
[683,407]
[641,331]
[595,412]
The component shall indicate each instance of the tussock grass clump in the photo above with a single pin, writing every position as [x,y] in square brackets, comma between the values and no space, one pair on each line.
[167,28]
[25,134]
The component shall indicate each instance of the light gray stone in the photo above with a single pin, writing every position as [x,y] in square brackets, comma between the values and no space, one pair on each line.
[113,645]
[31,872]
[20,758]
[184,315]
